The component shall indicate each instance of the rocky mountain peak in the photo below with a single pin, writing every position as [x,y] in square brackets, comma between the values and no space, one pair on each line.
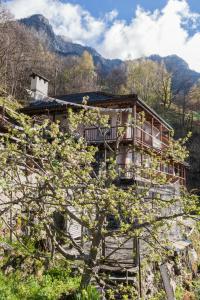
[63,45]
[39,23]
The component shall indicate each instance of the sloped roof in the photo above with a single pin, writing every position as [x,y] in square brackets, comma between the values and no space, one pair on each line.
[94,97]
[77,98]
[46,103]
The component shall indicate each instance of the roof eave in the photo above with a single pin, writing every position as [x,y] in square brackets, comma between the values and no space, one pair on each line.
[147,107]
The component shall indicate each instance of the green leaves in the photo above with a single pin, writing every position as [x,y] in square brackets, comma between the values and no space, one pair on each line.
[45,170]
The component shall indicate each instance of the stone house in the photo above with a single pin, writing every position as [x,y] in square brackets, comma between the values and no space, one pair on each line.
[153,134]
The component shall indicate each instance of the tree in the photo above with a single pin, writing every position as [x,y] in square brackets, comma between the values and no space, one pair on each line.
[115,81]
[194,97]
[22,51]
[48,171]
[151,81]
[80,75]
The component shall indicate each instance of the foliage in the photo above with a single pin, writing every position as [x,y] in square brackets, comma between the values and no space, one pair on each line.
[196,288]
[161,295]
[193,102]
[80,75]
[90,293]
[9,103]
[48,171]
[179,293]
[177,149]
[150,81]
[115,81]
[50,286]
[125,291]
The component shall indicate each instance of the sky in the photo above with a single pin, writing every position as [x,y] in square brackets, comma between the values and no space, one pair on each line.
[123,28]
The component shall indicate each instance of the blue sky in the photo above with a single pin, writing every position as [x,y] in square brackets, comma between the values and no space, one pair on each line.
[123,28]
[126,8]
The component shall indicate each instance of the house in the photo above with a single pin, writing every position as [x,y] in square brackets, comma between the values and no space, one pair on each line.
[151,134]
[143,131]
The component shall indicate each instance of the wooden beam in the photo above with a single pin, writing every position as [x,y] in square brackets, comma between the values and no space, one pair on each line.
[152,124]
[134,116]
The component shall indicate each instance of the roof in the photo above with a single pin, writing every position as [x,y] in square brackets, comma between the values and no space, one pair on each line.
[72,98]
[142,103]
[101,96]
[94,98]
[40,76]
[46,103]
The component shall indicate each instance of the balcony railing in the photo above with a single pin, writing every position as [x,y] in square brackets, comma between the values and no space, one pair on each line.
[135,172]
[137,134]
[101,134]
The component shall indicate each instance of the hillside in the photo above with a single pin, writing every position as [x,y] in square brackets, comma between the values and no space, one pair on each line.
[63,46]
[183,77]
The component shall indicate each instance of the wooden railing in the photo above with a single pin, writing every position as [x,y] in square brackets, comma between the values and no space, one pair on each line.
[130,133]
[129,172]
[101,134]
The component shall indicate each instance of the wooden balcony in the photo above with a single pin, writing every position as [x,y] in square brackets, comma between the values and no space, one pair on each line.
[137,135]
[173,174]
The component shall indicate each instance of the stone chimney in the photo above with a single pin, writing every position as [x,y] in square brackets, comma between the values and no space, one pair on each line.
[39,85]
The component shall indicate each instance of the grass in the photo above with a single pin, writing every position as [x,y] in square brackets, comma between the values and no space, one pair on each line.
[50,286]
[54,284]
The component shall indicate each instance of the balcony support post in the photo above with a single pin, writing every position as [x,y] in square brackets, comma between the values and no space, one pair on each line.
[134,113]
[152,123]
[133,131]
[161,137]
[185,178]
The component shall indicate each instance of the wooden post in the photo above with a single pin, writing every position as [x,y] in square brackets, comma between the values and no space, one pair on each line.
[134,114]
[103,247]
[184,171]
[11,225]
[135,122]
[161,134]
[11,219]
[152,122]
[142,138]
[54,117]
[139,271]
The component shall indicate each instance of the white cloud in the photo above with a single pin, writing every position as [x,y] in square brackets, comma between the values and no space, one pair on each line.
[110,16]
[159,32]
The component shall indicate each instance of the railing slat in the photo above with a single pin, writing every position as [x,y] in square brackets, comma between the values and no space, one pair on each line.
[112,133]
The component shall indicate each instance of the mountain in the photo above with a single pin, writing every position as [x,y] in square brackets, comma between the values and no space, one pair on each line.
[64,47]
[183,77]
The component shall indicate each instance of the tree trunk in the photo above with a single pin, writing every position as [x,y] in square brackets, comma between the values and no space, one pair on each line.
[91,267]
[86,277]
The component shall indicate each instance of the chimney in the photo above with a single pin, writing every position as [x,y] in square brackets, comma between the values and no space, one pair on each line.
[39,85]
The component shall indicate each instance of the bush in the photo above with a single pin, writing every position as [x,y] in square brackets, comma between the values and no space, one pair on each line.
[88,294]
[48,287]
[196,288]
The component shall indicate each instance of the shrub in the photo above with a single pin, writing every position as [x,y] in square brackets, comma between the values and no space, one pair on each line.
[88,294]
[48,287]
